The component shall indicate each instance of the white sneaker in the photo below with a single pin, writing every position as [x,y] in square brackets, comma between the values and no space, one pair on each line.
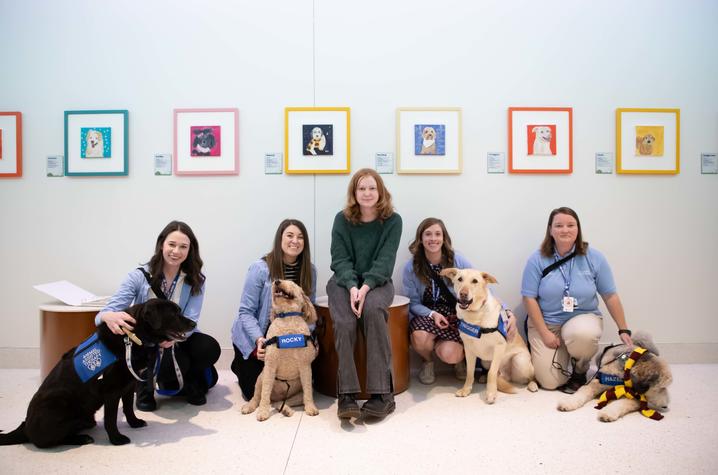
[426,375]
[460,370]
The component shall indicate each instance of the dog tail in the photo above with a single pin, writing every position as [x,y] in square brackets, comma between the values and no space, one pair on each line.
[15,437]
[504,386]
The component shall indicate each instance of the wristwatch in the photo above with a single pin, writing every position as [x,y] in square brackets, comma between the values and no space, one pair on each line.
[624,330]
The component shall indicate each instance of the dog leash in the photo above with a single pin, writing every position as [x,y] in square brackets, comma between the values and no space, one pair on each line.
[129,339]
[178,374]
[626,389]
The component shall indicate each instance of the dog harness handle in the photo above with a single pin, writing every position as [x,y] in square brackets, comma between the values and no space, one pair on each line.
[626,389]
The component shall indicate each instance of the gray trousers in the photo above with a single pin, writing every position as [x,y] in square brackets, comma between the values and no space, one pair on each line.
[374,325]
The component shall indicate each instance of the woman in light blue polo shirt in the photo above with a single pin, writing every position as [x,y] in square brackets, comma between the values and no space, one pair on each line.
[289,259]
[564,320]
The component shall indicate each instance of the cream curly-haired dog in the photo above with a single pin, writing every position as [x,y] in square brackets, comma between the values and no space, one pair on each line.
[644,144]
[650,376]
[95,144]
[287,373]
[509,358]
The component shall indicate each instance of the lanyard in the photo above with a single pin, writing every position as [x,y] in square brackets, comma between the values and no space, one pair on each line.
[566,280]
[435,291]
[169,293]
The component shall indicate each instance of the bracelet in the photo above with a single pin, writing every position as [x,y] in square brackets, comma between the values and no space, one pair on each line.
[624,330]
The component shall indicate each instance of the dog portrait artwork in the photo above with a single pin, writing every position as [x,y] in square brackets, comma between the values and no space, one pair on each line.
[290,350]
[95,142]
[649,140]
[96,374]
[429,139]
[206,140]
[317,139]
[541,139]
[629,379]
[481,328]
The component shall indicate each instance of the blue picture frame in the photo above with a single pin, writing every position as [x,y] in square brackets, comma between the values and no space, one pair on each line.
[115,157]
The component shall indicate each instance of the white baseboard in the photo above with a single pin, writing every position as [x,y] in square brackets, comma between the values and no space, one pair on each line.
[676,353]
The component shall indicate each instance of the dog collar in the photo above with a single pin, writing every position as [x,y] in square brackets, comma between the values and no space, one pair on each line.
[626,389]
[288,314]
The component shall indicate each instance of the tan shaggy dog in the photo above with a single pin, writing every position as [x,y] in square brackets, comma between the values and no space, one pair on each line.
[509,359]
[287,373]
[650,376]
[644,144]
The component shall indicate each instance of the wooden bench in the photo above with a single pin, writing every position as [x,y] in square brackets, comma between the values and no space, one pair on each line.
[325,365]
[61,328]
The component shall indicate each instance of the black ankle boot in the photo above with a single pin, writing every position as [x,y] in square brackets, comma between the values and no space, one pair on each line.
[379,405]
[574,383]
[146,396]
[347,406]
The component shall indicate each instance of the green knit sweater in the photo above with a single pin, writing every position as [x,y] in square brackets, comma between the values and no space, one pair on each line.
[364,253]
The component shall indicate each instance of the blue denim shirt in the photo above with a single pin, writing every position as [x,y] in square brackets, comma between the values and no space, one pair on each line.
[253,317]
[135,289]
[414,288]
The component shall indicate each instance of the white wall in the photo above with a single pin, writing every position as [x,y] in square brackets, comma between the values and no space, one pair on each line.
[659,232]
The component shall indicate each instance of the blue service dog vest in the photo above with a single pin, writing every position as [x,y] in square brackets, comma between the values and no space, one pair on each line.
[91,358]
[293,340]
[476,331]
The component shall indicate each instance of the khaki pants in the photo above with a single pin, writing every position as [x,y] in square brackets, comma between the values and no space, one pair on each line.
[579,340]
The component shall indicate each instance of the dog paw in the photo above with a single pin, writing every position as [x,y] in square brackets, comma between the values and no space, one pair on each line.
[248,408]
[490,397]
[463,392]
[135,423]
[532,386]
[311,410]
[262,415]
[605,416]
[566,405]
[119,439]
[287,411]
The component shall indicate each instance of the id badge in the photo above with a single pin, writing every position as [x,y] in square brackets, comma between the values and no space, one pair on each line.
[567,304]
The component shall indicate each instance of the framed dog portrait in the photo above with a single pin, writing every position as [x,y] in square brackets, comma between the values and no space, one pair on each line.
[10,144]
[96,143]
[316,140]
[648,141]
[428,140]
[206,142]
[540,139]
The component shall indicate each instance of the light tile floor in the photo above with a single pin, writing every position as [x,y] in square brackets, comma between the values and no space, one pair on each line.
[431,432]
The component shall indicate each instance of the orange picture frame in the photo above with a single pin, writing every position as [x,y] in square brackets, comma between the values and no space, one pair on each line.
[11,154]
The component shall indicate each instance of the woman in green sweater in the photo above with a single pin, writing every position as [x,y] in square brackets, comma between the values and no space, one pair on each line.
[365,238]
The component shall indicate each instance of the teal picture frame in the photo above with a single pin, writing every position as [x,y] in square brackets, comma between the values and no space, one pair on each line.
[112,159]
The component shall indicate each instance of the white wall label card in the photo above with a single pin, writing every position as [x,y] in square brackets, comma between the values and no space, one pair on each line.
[709,163]
[496,162]
[604,163]
[55,165]
[163,164]
[273,163]
[384,162]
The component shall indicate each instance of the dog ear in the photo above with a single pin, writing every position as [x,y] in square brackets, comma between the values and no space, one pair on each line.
[490,279]
[310,313]
[151,315]
[534,129]
[449,272]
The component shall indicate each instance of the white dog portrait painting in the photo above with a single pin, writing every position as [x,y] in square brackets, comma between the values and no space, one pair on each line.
[95,142]
[317,139]
[541,139]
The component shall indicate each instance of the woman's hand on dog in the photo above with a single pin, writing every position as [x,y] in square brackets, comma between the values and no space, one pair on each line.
[115,321]
[510,325]
[261,351]
[626,339]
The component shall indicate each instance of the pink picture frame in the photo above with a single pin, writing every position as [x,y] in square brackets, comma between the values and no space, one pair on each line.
[185,159]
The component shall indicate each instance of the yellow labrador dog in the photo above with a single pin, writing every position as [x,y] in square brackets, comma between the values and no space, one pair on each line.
[480,326]
[287,373]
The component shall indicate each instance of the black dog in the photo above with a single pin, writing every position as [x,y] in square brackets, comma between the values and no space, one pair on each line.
[65,405]
[203,142]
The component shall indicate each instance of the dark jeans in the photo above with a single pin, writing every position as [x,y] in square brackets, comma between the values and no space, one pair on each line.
[195,357]
[373,323]
[247,372]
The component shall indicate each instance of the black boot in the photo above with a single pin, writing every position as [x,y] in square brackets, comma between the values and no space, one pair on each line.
[379,405]
[146,395]
[347,406]
[574,383]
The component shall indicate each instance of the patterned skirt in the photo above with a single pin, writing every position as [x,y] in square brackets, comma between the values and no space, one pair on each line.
[451,333]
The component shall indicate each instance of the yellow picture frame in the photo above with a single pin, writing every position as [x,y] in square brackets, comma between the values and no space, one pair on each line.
[648,141]
[443,154]
[317,140]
